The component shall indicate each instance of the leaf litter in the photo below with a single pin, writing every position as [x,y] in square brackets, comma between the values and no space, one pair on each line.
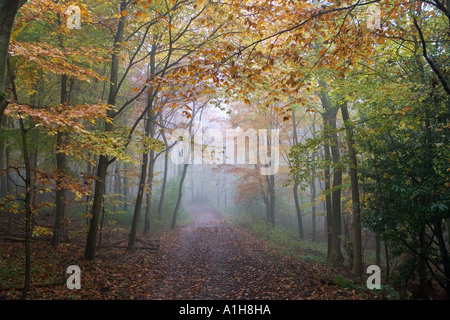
[208,259]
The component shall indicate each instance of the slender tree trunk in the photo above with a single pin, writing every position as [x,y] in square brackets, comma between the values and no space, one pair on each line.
[103,161]
[61,163]
[125,190]
[313,184]
[166,169]
[116,186]
[97,205]
[60,193]
[356,208]
[163,186]
[386,254]
[138,204]
[90,169]
[328,203]
[313,198]
[270,204]
[180,195]
[377,250]
[270,180]
[28,196]
[298,210]
[148,208]
[296,182]
[336,257]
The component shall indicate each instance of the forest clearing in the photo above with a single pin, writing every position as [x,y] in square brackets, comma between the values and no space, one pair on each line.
[224,150]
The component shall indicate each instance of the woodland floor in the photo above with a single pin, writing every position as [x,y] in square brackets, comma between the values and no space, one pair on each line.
[207,259]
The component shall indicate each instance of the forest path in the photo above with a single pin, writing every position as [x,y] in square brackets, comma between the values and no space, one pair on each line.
[210,259]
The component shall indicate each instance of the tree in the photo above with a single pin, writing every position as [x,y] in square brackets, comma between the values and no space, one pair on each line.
[103,161]
[296,181]
[329,117]
[8,10]
[356,205]
[149,131]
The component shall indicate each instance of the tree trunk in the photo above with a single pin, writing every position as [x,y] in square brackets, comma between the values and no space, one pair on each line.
[61,163]
[270,181]
[28,195]
[180,195]
[60,193]
[149,132]
[29,189]
[97,205]
[103,161]
[148,208]
[296,182]
[125,190]
[298,210]
[335,257]
[377,250]
[138,204]
[163,186]
[313,183]
[356,208]
[328,204]
[386,254]
[166,169]
[314,207]
[8,11]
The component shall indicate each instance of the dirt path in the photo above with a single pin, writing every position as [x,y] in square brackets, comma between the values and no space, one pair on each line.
[212,260]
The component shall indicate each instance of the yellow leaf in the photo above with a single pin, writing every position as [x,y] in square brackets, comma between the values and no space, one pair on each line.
[124,13]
